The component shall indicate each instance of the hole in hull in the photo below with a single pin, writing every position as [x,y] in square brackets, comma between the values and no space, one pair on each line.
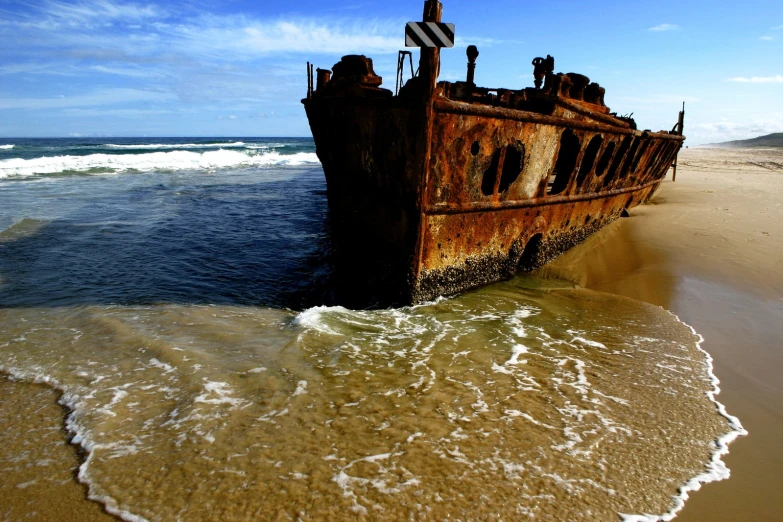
[566,162]
[591,152]
[639,155]
[626,169]
[618,159]
[488,180]
[529,258]
[606,157]
[512,167]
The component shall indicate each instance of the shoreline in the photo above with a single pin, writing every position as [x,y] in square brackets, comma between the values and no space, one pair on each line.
[58,495]
[707,249]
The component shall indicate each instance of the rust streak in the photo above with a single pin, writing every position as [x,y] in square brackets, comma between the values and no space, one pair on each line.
[481,206]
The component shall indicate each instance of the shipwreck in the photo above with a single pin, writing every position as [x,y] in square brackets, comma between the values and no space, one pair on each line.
[439,187]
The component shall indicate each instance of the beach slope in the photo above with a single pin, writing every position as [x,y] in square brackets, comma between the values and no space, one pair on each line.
[709,247]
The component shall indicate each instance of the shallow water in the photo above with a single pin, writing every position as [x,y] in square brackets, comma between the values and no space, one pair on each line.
[173,309]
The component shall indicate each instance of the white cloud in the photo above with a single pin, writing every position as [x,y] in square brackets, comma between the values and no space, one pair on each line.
[56,15]
[758,79]
[767,38]
[242,38]
[727,130]
[101,26]
[99,97]
[664,27]
[656,100]
[122,113]
[54,68]
[99,12]
[480,42]
[120,54]
[237,38]
[125,71]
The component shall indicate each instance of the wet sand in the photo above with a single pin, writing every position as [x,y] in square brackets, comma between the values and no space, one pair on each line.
[709,248]
[47,490]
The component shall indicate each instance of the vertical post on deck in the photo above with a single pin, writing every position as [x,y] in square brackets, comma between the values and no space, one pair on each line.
[472,53]
[429,68]
[680,126]
[309,81]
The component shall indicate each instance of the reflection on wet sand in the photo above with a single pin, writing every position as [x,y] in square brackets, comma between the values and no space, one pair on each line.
[38,465]
[719,230]
[617,260]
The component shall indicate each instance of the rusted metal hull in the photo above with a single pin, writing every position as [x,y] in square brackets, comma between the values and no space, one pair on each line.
[414,225]
[374,170]
[469,237]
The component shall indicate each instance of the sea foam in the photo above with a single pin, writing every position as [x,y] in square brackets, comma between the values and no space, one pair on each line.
[376,371]
[173,160]
[6,146]
[715,470]
[153,146]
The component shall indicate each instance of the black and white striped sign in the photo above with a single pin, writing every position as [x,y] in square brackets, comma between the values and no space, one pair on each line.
[429,34]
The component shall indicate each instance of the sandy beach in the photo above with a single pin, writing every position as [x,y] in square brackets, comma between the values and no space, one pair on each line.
[48,490]
[708,247]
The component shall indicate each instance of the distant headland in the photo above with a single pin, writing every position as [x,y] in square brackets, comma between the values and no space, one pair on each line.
[770,140]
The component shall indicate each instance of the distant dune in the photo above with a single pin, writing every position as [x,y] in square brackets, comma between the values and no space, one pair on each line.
[770,140]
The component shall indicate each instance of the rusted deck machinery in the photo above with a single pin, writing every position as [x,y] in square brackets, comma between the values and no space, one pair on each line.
[447,186]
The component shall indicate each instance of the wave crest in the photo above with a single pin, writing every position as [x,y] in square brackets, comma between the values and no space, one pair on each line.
[173,160]
[154,146]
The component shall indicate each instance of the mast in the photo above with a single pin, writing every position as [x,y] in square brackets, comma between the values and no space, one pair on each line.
[680,126]
[429,68]
[429,61]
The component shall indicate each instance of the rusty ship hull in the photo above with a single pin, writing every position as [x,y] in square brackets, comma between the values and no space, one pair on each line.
[445,187]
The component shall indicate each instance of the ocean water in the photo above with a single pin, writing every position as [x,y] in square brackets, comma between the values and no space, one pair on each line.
[178,292]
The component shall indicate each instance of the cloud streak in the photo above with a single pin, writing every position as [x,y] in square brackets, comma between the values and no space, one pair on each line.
[125,71]
[758,79]
[657,101]
[725,130]
[194,56]
[134,30]
[664,27]
[259,38]
[100,97]
[99,11]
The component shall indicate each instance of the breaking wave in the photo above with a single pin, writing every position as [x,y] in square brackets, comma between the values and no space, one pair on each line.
[715,470]
[153,146]
[6,146]
[173,160]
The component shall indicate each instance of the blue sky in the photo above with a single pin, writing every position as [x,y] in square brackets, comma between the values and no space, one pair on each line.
[237,68]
